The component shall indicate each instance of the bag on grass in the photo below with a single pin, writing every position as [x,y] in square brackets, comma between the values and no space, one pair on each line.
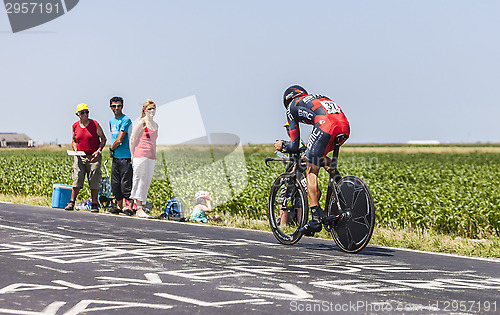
[174,210]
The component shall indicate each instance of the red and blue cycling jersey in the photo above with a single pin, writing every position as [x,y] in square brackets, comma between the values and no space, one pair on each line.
[328,120]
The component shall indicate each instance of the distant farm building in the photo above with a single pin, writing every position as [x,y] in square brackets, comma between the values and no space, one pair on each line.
[15,140]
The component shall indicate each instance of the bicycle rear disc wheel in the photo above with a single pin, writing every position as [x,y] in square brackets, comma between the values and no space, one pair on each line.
[287,209]
[353,230]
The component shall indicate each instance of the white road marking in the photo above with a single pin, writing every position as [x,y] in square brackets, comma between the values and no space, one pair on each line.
[88,287]
[53,269]
[114,253]
[329,268]
[425,284]
[17,287]
[82,306]
[395,269]
[357,286]
[205,274]
[259,242]
[264,270]
[203,303]
[151,278]
[13,248]
[31,231]
[51,309]
[296,292]
[488,284]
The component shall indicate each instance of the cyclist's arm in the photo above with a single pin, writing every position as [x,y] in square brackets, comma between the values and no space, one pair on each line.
[294,144]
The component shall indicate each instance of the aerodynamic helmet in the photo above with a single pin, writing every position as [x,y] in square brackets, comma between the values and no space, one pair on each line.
[291,93]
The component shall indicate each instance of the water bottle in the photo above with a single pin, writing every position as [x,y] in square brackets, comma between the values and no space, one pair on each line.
[281,155]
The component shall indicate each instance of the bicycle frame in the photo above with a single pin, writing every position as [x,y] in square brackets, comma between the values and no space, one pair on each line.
[295,166]
[335,177]
[330,221]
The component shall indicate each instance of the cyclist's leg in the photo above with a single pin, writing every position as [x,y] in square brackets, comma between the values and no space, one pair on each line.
[283,216]
[312,184]
[282,202]
[316,151]
[299,215]
[314,225]
[317,148]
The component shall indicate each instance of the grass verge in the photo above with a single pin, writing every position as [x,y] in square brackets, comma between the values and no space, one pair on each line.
[27,200]
[402,238]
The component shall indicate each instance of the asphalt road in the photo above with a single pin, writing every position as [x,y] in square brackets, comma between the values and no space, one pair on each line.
[61,262]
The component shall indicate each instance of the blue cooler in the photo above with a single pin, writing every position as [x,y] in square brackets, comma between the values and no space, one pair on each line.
[61,195]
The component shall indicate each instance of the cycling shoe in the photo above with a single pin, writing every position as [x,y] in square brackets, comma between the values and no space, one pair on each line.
[312,226]
[311,234]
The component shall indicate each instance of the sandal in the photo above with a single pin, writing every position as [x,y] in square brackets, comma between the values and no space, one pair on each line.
[142,214]
[94,208]
[115,210]
[128,212]
[70,206]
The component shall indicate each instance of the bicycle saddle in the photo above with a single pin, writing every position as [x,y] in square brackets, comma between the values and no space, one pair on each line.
[341,137]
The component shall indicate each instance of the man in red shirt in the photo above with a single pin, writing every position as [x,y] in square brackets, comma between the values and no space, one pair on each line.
[89,138]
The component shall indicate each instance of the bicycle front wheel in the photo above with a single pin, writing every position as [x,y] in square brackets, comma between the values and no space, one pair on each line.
[353,230]
[287,209]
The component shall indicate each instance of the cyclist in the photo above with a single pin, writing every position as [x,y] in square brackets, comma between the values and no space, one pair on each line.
[329,121]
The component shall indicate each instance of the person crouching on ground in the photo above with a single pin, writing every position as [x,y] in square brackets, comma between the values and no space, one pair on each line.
[203,205]
[89,138]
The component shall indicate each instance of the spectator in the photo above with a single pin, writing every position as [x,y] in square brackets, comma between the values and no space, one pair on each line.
[120,127]
[203,205]
[89,138]
[143,146]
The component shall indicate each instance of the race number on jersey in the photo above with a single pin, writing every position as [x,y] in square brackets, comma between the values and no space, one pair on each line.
[330,107]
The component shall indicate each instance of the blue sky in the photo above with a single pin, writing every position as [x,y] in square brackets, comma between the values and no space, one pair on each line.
[401,70]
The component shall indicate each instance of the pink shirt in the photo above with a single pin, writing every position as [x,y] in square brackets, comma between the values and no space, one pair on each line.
[146,146]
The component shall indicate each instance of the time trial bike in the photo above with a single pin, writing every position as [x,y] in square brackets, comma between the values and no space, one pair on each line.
[349,214]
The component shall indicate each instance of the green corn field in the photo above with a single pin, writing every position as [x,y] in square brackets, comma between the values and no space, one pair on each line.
[452,193]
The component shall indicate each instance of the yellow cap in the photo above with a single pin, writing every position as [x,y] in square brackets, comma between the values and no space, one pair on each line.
[286,125]
[81,107]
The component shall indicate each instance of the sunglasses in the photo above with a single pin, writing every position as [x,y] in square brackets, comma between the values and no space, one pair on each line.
[115,106]
[83,112]
[151,108]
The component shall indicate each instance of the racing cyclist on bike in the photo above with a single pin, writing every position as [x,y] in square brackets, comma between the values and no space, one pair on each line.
[329,121]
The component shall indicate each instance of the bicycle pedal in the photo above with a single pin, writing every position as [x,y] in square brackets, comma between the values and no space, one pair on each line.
[330,218]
